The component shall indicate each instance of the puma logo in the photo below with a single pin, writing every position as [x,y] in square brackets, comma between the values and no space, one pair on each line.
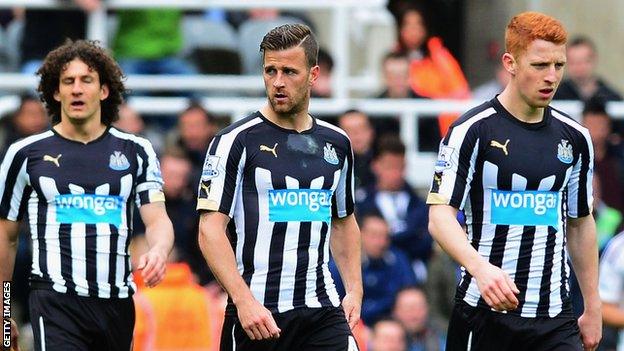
[271,150]
[205,187]
[54,160]
[500,146]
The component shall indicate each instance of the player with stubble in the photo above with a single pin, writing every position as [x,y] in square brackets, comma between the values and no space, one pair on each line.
[276,193]
[522,173]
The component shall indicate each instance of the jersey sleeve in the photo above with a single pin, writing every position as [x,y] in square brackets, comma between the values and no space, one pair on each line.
[14,184]
[611,278]
[455,166]
[580,198]
[149,186]
[222,173]
[342,200]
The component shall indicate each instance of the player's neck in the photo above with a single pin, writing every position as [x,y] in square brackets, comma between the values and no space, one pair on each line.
[80,130]
[518,108]
[299,122]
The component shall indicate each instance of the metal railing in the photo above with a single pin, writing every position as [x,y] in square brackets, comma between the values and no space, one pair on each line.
[407,112]
[340,12]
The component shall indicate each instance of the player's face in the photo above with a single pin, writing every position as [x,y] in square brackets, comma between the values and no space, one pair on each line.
[80,93]
[288,80]
[538,72]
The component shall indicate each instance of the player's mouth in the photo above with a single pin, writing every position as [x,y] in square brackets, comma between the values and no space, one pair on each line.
[546,92]
[280,98]
[77,105]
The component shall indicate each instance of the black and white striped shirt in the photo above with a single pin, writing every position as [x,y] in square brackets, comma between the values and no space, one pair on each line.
[79,199]
[281,189]
[517,183]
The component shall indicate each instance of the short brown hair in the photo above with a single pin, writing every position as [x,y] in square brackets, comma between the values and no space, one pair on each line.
[97,59]
[289,36]
[528,26]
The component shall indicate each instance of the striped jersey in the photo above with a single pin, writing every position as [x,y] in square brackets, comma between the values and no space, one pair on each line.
[79,199]
[611,280]
[517,183]
[281,189]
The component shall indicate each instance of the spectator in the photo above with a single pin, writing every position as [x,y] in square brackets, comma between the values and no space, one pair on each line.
[582,82]
[385,270]
[494,86]
[131,121]
[177,171]
[396,201]
[395,69]
[608,219]
[30,118]
[323,85]
[434,72]
[358,127]
[46,29]
[443,275]
[196,128]
[388,335]
[608,158]
[412,311]
[149,40]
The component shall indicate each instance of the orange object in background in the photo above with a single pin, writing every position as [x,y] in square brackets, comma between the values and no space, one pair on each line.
[177,314]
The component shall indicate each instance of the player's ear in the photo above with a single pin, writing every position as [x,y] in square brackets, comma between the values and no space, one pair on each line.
[105,91]
[314,74]
[510,63]
[57,96]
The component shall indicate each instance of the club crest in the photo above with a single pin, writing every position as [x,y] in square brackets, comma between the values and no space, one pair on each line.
[118,161]
[564,152]
[330,154]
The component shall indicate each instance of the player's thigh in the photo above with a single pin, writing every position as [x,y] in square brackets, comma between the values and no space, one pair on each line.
[331,331]
[234,338]
[53,323]
[115,325]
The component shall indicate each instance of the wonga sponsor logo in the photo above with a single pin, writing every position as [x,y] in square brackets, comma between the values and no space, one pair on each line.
[88,208]
[525,207]
[302,205]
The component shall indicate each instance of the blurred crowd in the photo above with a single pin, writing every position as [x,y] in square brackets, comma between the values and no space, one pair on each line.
[409,282]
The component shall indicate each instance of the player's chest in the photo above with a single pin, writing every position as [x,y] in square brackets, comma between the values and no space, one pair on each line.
[527,157]
[294,158]
[82,169]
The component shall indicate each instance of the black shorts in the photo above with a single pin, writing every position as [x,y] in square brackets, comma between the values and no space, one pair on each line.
[69,322]
[478,329]
[303,329]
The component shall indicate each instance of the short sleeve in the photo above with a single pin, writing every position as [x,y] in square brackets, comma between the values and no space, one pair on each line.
[14,184]
[221,174]
[580,198]
[343,201]
[149,186]
[455,166]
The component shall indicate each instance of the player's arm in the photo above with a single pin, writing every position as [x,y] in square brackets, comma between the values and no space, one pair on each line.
[346,250]
[8,250]
[495,285]
[583,249]
[255,319]
[159,235]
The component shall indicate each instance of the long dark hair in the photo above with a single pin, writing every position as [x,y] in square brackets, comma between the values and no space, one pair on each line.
[97,59]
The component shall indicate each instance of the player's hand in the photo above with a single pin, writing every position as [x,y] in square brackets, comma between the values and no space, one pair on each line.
[14,336]
[352,306]
[257,321]
[153,266]
[496,287]
[590,325]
